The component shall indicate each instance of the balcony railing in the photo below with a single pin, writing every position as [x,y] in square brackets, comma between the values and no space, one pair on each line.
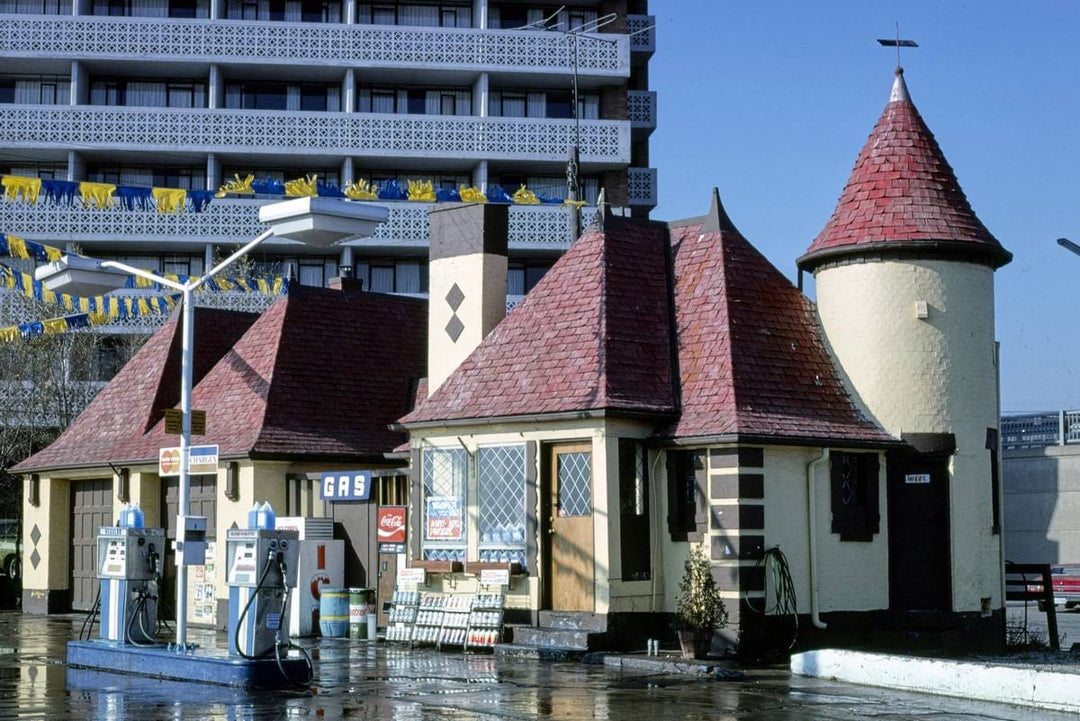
[24,405]
[641,186]
[1036,430]
[240,41]
[641,106]
[536,227]
[642,40]
[89,127]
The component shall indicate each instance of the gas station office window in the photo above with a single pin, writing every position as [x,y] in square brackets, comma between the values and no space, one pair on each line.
[502,482]
[445,480]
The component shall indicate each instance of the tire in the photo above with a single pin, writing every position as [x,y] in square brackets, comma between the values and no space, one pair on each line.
[11,567]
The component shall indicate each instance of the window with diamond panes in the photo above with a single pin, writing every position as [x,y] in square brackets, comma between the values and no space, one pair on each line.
[575,484]
[446,473]
[502,503]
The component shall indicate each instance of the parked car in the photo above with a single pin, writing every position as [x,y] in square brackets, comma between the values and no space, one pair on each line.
[9,554]
[1065,579]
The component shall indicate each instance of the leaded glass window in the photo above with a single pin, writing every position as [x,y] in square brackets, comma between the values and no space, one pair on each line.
[575,484]
[445,474]
[502,503]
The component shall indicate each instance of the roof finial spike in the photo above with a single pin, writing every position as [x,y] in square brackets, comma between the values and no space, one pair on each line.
[717,221]
[899,90]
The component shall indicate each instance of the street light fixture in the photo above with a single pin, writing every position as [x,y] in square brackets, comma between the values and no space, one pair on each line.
[1069,245]
[320,222]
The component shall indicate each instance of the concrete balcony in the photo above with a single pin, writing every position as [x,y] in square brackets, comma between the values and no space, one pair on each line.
[374,135]
[645,40]
[641,106]
[641,187]
[544,228]
[326,44]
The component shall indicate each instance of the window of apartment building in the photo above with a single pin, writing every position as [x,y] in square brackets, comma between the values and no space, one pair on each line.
[182,264]
[445,474]
[320,97]
[40,90]
[387,276]
[320,11]
[854,495]
[183,8]
[45,171]
[36,7]
[416,101]
[445,14]
[501,485]
[634,509]
[522,276]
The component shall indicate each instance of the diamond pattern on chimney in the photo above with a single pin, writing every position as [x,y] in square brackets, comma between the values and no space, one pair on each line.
[454,328]
[455,297]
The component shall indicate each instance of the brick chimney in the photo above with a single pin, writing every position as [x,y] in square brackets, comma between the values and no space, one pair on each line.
[467,282]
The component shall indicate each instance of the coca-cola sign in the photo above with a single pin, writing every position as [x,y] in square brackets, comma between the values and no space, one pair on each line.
[391,524]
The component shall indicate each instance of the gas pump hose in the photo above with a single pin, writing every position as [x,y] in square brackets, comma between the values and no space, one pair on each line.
[278,645]
[247,606]
[89,618]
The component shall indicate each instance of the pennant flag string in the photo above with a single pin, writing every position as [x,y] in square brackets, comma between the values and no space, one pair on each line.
[11,246]
[52,326]
[166,201]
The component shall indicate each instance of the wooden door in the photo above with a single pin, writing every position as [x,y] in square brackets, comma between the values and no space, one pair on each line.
[920,565]
[202,501]
[387,581]
[570,528]
[91,508]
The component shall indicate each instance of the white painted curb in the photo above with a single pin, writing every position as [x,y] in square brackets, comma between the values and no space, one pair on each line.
[1041,688]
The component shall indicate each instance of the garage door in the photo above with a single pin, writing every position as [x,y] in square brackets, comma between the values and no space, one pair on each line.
[91,507]
[202,501]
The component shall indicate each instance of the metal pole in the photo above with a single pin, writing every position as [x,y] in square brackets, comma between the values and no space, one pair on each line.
[187,351]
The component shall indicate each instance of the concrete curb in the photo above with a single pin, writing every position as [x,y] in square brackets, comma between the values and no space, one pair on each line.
[1042,688]
[655,664]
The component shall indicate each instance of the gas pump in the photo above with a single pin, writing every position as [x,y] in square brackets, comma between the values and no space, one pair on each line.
[129,566]
[260,573]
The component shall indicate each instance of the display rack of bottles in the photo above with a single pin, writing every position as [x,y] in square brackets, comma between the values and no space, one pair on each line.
[485,621]
[404,606]
[455,620]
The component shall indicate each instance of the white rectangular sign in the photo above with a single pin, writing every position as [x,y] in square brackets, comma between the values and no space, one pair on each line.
[917,478]
[495,577]
[410,575]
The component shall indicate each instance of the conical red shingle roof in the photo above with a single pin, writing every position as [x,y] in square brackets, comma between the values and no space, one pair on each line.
[902,193]
[593,335]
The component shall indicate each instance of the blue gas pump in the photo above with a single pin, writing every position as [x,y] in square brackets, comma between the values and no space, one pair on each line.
[129,566]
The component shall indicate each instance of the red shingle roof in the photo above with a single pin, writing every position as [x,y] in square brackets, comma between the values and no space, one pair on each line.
[320,375]
[903,190]
[138,395]
[751,359]
[593,334]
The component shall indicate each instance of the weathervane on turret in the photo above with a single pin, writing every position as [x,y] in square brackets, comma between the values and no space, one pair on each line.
[898,43]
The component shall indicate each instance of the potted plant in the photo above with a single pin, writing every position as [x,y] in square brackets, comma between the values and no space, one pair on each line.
[699,609]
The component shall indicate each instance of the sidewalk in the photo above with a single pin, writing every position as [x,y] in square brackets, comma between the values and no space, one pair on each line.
[1025,681]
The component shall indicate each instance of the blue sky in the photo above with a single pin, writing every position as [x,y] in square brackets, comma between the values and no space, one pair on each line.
[771,102]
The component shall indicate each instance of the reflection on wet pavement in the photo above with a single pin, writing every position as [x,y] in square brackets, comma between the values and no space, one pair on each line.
[361,680]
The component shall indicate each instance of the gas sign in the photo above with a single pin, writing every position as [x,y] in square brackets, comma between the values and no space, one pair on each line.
[345,486]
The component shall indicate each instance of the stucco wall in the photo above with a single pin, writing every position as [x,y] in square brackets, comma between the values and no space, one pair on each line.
[852,575]
[932,375]
[1042,504]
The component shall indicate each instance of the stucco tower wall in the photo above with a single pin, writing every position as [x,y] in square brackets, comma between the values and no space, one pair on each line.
[936,374]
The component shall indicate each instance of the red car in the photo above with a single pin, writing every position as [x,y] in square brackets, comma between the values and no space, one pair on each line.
[1065,579]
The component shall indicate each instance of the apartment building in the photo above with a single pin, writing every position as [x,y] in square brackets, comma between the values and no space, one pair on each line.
[189,93]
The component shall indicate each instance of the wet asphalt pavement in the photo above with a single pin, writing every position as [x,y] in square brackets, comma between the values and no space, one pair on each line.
[363,680]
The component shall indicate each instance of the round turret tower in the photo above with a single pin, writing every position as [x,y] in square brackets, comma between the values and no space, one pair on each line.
[904,274]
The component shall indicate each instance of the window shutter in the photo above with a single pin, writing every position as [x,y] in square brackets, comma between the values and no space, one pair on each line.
[873,508]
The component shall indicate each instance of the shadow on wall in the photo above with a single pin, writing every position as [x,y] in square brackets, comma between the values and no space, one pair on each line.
[1041,504]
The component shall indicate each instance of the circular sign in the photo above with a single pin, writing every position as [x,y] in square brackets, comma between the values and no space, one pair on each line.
[170,460]
[319,580]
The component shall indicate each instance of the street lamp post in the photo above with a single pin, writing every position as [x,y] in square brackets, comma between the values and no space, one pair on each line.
[320,222]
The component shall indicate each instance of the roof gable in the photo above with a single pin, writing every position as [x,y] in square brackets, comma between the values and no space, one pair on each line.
[321,374]
[136,398]
[751,358]
[903,191]
[594,334]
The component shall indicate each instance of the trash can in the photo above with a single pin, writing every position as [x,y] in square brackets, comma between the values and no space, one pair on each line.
[361,602]
[334,612]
